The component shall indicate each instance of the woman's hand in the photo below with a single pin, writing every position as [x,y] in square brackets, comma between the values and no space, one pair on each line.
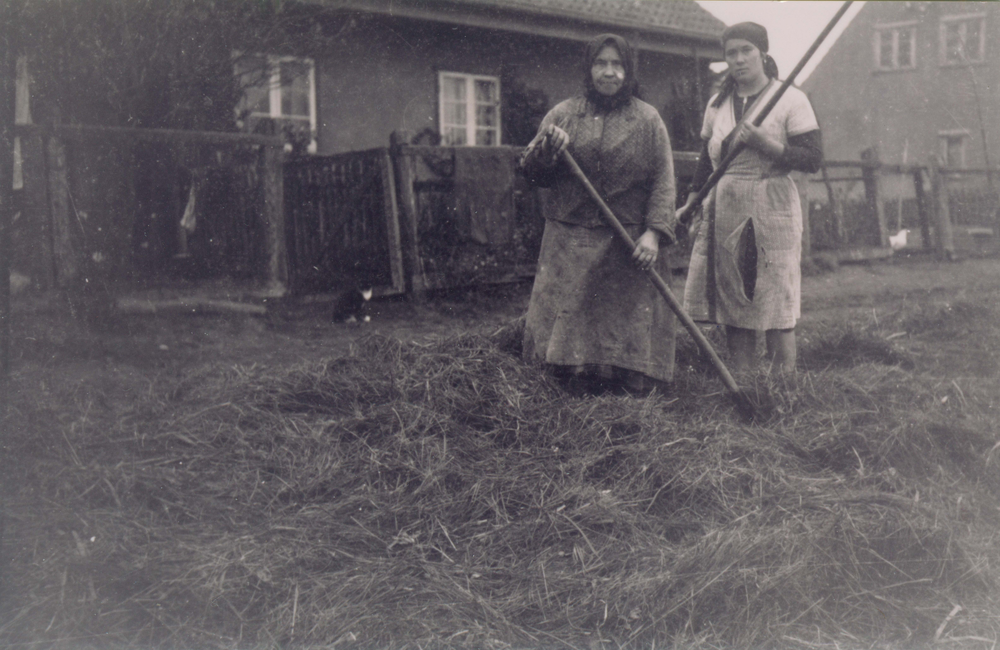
[554,142]
[685,213]
[647,249]
[757,138]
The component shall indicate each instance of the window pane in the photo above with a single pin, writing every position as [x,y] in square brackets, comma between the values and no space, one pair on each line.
[453,136]
[453,88]
[454,114]
[973,32]
[952,42]
[294,88]
[486,116]
[885,49]
[486,137]
[905,55]
[486,92]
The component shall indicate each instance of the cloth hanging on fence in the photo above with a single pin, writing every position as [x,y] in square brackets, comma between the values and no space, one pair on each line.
[484,193]
[190,220]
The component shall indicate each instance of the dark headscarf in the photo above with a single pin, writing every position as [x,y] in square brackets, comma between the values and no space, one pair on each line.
[755,34]
[630,87]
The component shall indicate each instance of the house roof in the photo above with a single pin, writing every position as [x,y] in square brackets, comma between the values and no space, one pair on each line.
[680,26]
[686,18]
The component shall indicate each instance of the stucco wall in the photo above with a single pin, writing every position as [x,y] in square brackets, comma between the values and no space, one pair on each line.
[382,75]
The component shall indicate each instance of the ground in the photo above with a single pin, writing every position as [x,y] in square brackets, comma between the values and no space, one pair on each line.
[174,339]
[446,467]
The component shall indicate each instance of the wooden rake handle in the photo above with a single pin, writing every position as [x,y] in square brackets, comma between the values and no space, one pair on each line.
[661,286]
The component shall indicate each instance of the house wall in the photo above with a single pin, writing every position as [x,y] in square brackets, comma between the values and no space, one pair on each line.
[382,76]
[859,106]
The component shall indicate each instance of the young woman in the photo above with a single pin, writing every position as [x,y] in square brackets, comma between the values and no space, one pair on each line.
[594,317]
[745,265]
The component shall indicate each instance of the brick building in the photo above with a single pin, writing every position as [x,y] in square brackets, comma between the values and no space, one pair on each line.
[913,79]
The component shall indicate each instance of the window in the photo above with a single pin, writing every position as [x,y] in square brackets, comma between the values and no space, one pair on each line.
[953,148]
[469,109]
[281,88]
[963,39]
[896,47]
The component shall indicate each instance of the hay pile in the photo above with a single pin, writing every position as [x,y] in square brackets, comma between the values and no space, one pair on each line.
[448,495]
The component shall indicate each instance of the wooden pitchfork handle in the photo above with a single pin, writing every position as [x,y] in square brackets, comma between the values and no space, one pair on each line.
[742,401]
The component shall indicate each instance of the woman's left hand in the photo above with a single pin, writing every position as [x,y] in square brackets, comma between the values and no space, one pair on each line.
[756,137]
[647,249]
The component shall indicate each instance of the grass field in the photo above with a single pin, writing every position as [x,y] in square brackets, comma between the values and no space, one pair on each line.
[186,481]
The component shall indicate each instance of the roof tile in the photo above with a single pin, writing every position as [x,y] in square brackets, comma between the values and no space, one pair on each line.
[667,15]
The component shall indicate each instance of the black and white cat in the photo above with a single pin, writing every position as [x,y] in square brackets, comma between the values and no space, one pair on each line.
[351,306]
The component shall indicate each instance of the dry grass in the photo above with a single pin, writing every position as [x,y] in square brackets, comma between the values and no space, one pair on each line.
[448,495]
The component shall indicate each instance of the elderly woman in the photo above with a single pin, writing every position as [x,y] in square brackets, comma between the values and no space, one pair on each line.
[745,265]
[594,318]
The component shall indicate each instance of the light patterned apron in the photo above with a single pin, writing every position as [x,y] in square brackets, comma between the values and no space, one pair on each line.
[745,264]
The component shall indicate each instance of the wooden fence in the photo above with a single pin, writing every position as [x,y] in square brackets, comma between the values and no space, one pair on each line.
[134,209]
[105,205]
[855,207]
[413,218]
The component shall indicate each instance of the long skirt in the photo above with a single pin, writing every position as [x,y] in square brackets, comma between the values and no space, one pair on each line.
[593,310]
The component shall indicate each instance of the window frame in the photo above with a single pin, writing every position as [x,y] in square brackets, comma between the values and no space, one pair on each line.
[961,20]
[274,62]
[894,29]
[470,107]
[943,137]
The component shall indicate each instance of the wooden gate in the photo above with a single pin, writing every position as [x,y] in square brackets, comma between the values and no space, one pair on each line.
[341,226]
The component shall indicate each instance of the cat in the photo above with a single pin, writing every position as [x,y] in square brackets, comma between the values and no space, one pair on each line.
[351,306]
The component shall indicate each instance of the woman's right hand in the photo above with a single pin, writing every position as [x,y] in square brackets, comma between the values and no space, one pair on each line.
[685,213]
[554,142]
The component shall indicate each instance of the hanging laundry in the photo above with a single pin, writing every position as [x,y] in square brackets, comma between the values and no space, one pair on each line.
[189,220]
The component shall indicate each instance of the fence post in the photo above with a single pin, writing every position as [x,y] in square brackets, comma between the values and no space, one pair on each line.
[64,261]
[391,208]
[835,208]
[274,220]
[870,173]
[8,75]
[922,208]
[410,234]
[939,191]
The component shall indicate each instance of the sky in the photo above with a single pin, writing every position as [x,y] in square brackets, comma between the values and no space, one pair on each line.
[791,27]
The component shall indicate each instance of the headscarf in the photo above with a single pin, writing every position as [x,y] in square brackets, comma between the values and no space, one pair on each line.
[755,34]
[630,87]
